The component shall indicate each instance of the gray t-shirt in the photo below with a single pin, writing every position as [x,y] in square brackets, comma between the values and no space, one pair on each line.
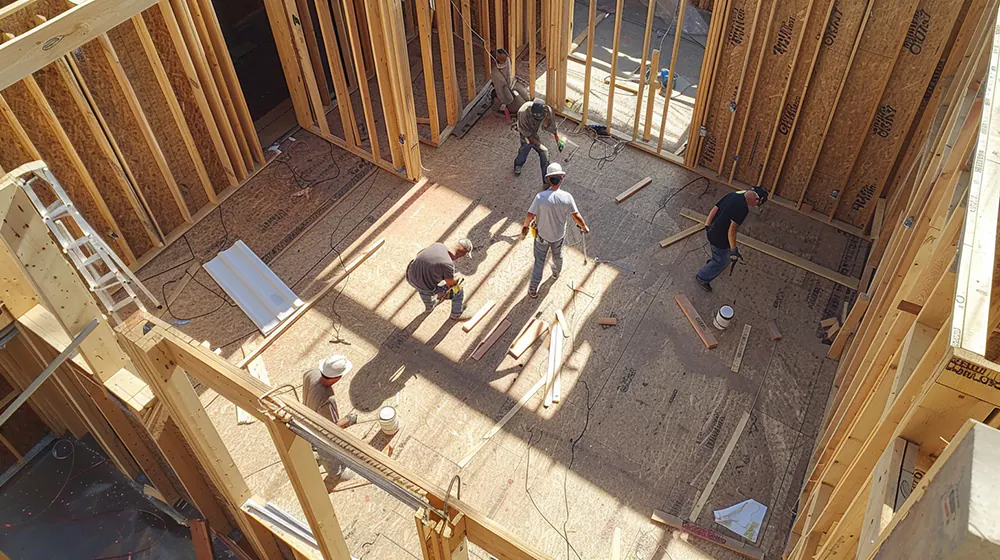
[319,397]
[552,208]
[430,268]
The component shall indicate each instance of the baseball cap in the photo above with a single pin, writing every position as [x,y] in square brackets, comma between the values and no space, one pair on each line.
[334,367]
[466,244]
[538,107]
[761,193]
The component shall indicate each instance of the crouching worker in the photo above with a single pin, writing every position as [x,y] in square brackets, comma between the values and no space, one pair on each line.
[432,273]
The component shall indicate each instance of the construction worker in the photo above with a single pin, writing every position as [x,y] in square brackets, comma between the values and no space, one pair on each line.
[531,117]
[317,394]
[509,93]
[547,219]
[720,226]
[436,265]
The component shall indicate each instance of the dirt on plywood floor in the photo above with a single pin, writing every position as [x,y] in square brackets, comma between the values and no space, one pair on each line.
[646,409]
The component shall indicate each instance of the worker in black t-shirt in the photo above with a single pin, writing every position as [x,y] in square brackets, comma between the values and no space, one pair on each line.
[721,224]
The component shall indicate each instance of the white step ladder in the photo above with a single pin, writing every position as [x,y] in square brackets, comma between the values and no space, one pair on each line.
[100,267]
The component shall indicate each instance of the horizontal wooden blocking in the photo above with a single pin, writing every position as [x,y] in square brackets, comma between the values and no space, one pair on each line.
[697,322]
[633,189]
[471,323]
[532,332]
[607,321]
[682,235]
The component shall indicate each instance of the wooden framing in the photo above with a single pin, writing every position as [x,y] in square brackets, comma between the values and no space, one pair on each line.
[614,64]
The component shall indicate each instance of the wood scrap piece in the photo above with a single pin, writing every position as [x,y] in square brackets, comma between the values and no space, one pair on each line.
[783,255]
[607,321]
[696,321]
[256,369]
[682,235]
[471,323]
[550,372]
[563,324]
[485,344]
[741,349]
[200,539]
[503,421]
[616,544]
[908,307]
[772,330]
[736,545]
[829,322]
[536,329]
[832,331]
[633,189]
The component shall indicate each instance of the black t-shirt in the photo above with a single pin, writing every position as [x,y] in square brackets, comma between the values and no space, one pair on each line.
[732,207]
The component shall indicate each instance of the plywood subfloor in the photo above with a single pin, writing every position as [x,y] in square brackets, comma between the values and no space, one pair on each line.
[646,412]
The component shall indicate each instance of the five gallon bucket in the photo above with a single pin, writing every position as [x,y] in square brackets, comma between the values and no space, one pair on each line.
[388,421]
[724,317]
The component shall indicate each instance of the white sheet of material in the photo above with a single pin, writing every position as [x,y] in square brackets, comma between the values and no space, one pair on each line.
[253,286]
[745,518]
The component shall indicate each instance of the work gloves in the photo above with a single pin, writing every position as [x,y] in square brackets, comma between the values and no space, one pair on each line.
[560,143]
[734,254]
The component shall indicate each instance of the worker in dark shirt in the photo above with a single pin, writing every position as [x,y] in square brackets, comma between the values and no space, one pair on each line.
[727,215]
[432,273]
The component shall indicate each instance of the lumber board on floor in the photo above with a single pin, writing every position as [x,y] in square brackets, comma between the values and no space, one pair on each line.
[783,255]
[699,325]
[472,322]
[484,345]
[633,189]
[706,493]
[682,235]
[534,330]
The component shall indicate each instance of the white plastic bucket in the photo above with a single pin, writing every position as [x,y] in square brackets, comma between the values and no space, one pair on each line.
[388,420]
[724,317]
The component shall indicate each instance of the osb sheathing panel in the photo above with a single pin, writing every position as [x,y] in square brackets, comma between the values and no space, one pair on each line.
[761,39]
[140,74]
[44,136]
[16,147]
[112,102]
[735,42]
[866,79]
[791,18]
[831,63]
[815,31]
[183,89]
[98,159]
[21,19]
[926,38]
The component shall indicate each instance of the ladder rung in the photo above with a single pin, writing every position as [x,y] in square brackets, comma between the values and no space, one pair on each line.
[56,211]
[80,242]
[105,281]
[121,304]
[91,259]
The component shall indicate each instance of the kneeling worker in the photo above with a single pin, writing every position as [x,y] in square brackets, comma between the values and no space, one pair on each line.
[510,94]
[317,394]
[727,215]
[434,265]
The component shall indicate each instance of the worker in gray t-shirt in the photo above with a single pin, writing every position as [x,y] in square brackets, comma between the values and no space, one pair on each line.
[531,119]
[432,273]
[547,219]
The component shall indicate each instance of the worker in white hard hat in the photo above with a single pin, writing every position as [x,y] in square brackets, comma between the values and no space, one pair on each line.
[531,118]
[317,394]
[547,220]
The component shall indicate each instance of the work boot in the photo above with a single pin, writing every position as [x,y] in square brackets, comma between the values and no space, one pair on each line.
[704,285]
[517,170]
[533,294]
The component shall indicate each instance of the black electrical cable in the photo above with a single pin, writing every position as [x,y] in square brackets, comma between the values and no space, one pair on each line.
[663,205]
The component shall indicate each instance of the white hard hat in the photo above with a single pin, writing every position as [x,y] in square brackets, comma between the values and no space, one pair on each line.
[334,367]
[554,169]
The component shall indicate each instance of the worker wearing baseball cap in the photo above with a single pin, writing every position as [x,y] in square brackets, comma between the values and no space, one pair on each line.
[548,212]
[432,273]
[531,118]
[317,394]
[723,220]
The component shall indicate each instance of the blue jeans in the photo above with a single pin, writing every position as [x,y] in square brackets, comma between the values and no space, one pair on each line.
[541,251]
[526,147]
[429,297]
[715,266]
